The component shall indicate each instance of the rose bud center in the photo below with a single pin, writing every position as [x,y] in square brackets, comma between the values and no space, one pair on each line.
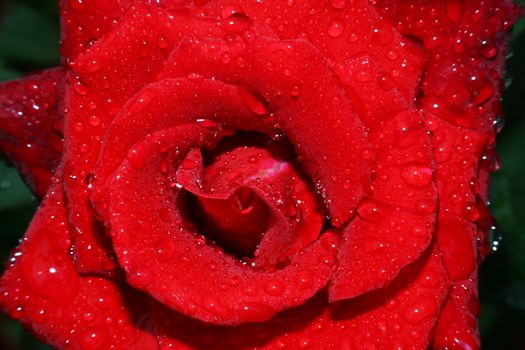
[249,190]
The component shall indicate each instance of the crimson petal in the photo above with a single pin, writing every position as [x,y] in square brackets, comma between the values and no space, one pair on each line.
[180,254]
[94,96]
[311,110]
[403,314]
[278,188]
[396,222]
[28,133]
[380,83]
[42,289]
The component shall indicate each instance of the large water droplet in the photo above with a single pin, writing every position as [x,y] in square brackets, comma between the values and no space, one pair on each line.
[94,338]
[370,211]
[48,270]
[137,157]
[338,4]
[236,23]
[488,50]
[142,101]
[274,287]
[417,175]
[336,28]
[252,102]
[80,88]
[424,307]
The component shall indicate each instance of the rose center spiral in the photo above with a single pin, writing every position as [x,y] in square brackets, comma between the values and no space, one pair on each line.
[248,195]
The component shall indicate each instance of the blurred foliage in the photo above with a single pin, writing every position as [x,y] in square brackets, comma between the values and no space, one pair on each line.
[29,41]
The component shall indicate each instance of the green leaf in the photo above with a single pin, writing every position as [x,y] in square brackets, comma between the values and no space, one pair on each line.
[28,40]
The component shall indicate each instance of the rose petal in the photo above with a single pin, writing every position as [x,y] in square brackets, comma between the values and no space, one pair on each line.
[169,276]
[403,314]
[85,22]
[458,234]
[396,222]
[318,120]
[278,189]
[467,44]
[343,31]
[42,289]
[457,326]
[28,122]
[93,98]
[199,101]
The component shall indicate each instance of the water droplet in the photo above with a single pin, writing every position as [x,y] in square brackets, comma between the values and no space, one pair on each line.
[165,249]
[163,42]
[94,120]
[424,307]
[361,70]
[206,123]
[488,50]
[490,160]
[142,101]
[295,91]
[481,89]
[48,271]
[370,211]
[144,48]
[93,65]
[137,157]
[455,10]
[252,102]
[338,4]
[417,175]
[255,311]
[93,338]
[495,237]
[426,206]
[407,129]
[382,33]
[80,87]
[432,41]
[274,287]
[471,212]
[236,23]
[392,55]
[226,57]
[304,279]
[498,124]
[336,28]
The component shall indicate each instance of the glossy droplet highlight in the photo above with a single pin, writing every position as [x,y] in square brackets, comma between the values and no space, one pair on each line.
[338,4]
[417,175]
[336,28]
[236,23]
[370,211]
[137,157]
[274,287]
[471,212]
[252,102]
[424,307]
[48,271]
[80,88]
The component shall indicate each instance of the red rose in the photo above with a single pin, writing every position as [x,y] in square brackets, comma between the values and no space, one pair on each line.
[258,174]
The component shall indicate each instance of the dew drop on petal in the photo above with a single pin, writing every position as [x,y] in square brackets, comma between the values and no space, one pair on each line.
[424,307]
[338,4]
[252,102]
[336,28]
[370,211]
[417,175]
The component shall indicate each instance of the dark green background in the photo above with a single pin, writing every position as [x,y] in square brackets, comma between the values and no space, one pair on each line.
[29,41]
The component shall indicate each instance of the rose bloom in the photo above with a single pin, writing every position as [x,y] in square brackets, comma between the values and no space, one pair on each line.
[258,174]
